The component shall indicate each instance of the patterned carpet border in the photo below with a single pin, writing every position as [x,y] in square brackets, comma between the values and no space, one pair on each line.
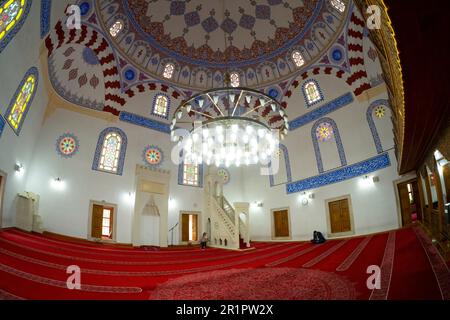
[347,263]
[324,255]
[387,266]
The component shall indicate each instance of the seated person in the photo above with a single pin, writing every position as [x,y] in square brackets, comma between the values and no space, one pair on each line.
[318,237]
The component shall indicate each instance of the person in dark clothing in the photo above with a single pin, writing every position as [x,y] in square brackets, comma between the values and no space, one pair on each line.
[204,240]
[318,238]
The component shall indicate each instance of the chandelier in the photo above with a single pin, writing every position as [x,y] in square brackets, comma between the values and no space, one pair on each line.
[229,126]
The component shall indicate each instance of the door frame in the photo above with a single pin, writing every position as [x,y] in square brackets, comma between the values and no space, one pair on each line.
[272,220]
[199,226]
[407,178]
[352,220]
[4,175]
[104,204]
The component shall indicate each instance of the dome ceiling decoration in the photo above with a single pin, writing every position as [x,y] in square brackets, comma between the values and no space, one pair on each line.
[260,37]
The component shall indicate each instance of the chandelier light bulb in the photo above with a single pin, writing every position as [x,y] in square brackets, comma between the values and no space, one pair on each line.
[188,108]
[274,107]
[201,102]
[179,114]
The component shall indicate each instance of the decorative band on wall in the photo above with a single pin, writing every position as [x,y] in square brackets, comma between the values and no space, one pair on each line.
[46,8]
[144,122]
[2,125]
[371,165]
[318,113]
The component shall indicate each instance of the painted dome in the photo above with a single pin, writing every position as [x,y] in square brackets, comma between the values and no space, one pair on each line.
[204,39]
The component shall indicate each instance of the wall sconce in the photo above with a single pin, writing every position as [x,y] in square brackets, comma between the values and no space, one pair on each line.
[57,183]
[18,167]
[258,204]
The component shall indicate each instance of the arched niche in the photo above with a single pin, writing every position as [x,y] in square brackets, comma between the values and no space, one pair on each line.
[379,119]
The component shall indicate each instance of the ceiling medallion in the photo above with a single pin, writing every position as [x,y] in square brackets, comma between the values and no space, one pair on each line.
[228,126]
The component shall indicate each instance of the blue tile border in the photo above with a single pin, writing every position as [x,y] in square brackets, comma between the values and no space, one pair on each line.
[123,150]
[32,71]
[46,10]
[337,138]
[318,113]
[368,166]
[144,122]
[371,122]
[2,125]
[11,34]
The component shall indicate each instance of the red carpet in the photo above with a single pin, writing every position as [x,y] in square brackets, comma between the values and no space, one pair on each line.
[34,267]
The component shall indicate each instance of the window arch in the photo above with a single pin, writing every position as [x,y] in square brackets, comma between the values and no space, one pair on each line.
[235,80]
[312,92]
[169,68]
[338,5]
[283,155]
[377,109]
[161,104]
[298,58]
[12,18]
[115,29]
[330,134]
[110,151]
[20,103]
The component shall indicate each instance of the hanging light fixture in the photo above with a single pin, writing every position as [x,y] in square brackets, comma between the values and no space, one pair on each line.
[229,126]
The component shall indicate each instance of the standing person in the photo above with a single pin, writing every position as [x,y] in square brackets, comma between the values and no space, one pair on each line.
[204,240]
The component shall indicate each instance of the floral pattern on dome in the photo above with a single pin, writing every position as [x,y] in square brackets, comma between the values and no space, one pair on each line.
[67,145]
[152,156]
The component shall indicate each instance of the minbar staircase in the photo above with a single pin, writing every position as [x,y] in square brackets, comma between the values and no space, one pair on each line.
[229,226]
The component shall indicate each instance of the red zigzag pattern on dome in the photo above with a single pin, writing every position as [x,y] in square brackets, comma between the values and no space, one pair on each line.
[94,40]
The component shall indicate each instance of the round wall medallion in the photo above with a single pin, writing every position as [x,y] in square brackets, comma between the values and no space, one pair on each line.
[67,145]
[153,156]
[224,174]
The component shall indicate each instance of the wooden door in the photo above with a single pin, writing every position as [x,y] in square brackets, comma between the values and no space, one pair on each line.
[185,227]
[281,223]
[340,216]
[194,227]
[405,204]
[446,174]
[97,221]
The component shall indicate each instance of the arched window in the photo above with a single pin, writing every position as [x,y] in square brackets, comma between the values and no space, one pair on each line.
[21,102]
[298,58]
[326,139]
[168,71]
[116,28]
[110,152]
[338,5]
[12,17]
[378,115]
[161,105]
[234,79]
[283,168]
[190,174]
[312,93]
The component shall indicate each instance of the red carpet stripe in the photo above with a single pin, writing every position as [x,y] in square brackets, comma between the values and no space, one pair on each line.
[324,255]
[292,256]
[386,270]
[438,264]
[4,295]
[347,263]
[62,284]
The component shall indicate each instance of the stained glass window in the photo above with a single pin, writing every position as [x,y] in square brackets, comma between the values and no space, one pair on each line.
[168,71]
[338,4]
[16,114]
[10,14]
[160,106]
[109,158]
[312,93]
[298,58]
[116,28]
[234,79]
[190,174]
[324,132]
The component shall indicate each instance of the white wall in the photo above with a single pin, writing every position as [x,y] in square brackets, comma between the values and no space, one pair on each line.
[20,54]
